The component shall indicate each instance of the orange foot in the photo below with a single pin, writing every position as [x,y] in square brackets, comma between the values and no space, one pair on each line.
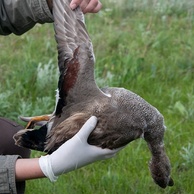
[32,121]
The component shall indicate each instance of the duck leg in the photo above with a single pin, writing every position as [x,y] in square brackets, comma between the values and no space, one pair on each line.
[36,120]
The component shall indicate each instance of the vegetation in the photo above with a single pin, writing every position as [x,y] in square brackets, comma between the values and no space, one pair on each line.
[145,46]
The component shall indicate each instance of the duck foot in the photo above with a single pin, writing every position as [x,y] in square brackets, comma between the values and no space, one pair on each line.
[36,120]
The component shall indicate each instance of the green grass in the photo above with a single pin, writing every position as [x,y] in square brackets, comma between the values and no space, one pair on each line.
[144,46]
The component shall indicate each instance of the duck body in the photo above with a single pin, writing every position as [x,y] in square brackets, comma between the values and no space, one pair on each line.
[123,116]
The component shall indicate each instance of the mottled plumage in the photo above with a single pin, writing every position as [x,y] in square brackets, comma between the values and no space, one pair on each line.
[123,116]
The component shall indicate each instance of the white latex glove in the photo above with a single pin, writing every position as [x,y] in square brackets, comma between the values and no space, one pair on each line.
[75,153]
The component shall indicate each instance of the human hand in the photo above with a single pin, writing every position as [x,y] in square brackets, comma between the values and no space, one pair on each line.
[87,6]
[74,154]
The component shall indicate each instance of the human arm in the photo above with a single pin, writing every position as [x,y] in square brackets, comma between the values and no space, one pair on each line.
[19,16]
[28,168]
[73,154]
[7,173]
[15,170]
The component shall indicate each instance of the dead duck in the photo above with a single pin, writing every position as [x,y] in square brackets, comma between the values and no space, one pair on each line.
[123,116]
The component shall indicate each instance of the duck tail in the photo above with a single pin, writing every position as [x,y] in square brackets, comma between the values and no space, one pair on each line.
[32,138]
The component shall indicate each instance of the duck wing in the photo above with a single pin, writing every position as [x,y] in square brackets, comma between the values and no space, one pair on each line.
[75,56]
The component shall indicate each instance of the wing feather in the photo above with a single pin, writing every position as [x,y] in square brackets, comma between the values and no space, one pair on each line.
[70,30]
[75,55]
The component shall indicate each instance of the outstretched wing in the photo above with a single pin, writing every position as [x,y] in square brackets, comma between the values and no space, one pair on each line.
[70,30]
[75,55]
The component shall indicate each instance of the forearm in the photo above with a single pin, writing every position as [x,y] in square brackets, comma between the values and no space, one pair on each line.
[26,169]
[18,16]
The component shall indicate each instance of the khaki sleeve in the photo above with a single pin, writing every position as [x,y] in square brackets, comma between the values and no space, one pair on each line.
[19,16]
[7,174]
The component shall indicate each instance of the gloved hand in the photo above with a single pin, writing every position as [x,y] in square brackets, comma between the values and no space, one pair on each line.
[75,153]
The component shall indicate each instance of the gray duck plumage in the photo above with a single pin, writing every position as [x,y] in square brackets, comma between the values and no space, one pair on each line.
[123,116]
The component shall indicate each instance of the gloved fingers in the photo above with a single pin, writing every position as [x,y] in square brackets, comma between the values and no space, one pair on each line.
[112,153]
[86,129]
[105,153]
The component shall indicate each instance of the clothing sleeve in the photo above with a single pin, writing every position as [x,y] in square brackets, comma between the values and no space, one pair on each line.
[7,174]
[19,16]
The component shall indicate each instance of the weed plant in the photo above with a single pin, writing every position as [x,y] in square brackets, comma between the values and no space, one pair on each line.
[145,46]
